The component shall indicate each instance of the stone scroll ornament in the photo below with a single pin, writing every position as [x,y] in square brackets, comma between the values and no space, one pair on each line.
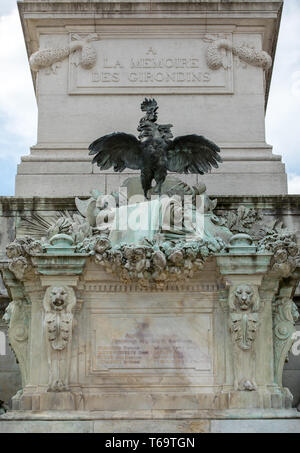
[247,54]
[285,316]
[51,57]
[17,316]
[243,324]
[58,304]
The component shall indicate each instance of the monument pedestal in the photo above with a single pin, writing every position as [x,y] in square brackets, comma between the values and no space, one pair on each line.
[150,326]
[180,329]
[135,351]
[190,422]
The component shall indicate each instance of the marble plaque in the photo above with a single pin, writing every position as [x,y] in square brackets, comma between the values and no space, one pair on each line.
[150,66]
[163,342]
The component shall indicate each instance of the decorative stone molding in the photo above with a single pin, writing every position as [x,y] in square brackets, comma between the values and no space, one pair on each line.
[17,316]
[244,305]
[285,315]
[159,260]
[191,287]
[242,220]
[52,264]
[243,325]
[247,273]
[245,53]
[269,237]
[59,303]
[243,275]
[247,220]
[19,251]
[152,262]
[51,57]
[155,263]
[285,251]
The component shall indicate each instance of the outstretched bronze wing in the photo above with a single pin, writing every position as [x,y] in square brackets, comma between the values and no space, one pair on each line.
[192,154]
[118,150]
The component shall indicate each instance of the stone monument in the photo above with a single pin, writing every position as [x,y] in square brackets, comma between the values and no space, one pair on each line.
[170,313]
[208,64]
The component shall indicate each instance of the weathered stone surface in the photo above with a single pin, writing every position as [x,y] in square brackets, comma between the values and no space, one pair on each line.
[195,426]
[217,74]
[147,339]
[256,426]
[10,378]
[152,426]
[174,327]
[45,427]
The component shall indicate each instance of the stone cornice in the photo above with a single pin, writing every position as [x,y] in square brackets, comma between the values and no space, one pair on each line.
[70,10]
[10,206]
[219,5]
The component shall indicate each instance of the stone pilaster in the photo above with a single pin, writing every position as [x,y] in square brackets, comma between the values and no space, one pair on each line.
[249,327]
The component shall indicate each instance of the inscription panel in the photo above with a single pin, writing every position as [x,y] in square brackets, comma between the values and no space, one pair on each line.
[156,343]
[149,66]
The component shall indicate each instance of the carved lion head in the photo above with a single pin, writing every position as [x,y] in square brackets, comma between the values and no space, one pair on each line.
[244,296]
[58,297]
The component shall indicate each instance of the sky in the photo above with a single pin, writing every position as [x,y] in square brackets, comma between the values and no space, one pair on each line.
[18,110]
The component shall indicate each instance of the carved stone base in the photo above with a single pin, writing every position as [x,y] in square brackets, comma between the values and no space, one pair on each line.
[239,421]
[60,401]
[256,400]
[160,401]
[155,326]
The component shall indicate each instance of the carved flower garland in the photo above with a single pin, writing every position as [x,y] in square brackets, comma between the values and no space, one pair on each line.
[285,249]
[18,250]
[154,263]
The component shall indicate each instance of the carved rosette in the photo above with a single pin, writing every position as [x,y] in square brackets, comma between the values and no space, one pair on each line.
[58,304]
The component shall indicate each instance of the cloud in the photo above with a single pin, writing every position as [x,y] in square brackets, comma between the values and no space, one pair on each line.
[7,6]
[294,184]
[18,111]
[283,113]
[8,173]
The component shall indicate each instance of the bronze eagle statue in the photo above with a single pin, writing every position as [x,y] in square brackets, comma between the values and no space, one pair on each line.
[154,153]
